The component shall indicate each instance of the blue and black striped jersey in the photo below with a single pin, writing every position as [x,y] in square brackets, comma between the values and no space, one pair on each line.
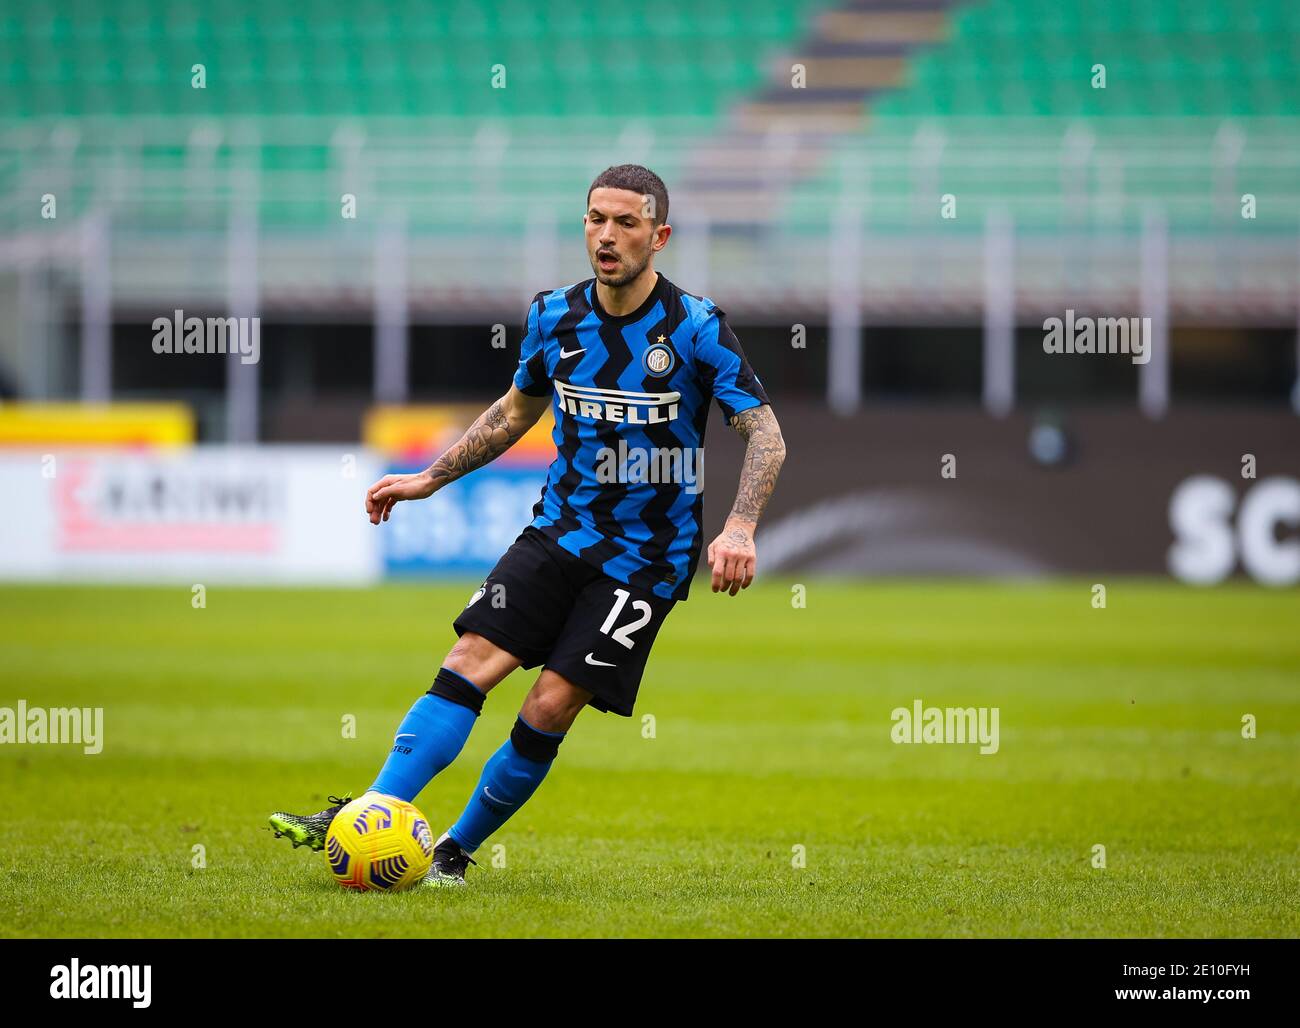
[631,392]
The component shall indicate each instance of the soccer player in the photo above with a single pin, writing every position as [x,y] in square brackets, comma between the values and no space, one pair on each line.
[628,363]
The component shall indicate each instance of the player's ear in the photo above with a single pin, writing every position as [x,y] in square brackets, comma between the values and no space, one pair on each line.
[661,236]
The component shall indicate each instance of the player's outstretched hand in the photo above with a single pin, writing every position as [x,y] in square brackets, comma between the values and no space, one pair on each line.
[381,496]
[733,558]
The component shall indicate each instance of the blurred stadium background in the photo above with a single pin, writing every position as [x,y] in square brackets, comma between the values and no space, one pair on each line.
[887,196]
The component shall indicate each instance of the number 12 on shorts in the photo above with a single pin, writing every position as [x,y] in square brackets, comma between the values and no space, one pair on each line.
[623,636]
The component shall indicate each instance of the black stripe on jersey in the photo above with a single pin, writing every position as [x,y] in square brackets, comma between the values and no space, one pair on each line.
[578,309]
[536,368]
[618,355]
[536,364]
[745,378]
[705,373]
[655,513]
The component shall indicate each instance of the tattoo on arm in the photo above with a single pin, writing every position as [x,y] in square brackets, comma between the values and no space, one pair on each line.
[764,454]
[483,442]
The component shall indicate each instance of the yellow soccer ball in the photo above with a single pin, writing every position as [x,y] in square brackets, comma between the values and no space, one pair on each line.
[379,842]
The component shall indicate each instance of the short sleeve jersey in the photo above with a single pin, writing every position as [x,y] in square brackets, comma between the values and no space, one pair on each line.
[631,396]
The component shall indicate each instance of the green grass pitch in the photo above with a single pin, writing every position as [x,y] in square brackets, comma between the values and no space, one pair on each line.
[1120,727]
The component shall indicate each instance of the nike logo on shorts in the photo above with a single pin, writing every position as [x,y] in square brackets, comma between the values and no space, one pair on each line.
[591,659]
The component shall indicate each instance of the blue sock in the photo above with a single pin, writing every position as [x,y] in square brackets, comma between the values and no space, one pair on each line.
[510,776]
[430,736]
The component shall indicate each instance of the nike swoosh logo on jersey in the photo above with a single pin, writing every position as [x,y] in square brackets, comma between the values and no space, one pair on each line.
[570,353]
[405,735]
[591,659]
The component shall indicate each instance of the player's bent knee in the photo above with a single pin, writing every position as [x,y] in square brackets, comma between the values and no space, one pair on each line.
[480,661]
[553,703]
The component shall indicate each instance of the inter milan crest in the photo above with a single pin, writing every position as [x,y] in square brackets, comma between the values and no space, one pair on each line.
[658,360]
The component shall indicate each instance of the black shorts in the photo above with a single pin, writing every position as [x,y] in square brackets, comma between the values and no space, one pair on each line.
[547,606]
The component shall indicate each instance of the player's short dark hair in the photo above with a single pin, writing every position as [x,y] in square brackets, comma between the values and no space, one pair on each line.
[639,180]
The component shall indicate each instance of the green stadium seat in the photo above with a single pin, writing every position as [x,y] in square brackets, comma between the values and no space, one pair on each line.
[1030,60]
